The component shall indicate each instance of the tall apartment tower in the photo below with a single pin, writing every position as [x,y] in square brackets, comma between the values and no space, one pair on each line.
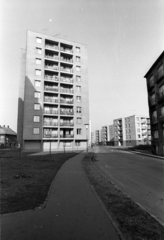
[119,132]
[155,88]
[105,134]
[97,136]
[53,103]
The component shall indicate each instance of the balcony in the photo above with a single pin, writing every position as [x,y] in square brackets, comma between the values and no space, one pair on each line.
[67,70]
[50,135]
[151,83]
[52,57]
[52,67]
[66,50]
[143,126]
[160,96]
[66,112]
[152,101]
[66,60]
[67,90]
[51,112]
[51,78]
[154,120]
[161,118]
[67,124]
[50,123]
[66,101]
[67,136]
[66,80]
[160,74]
[50,100]
[51,46]
[51,89]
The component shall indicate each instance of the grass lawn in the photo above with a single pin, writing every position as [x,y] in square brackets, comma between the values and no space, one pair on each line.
[133,222]
[25,182]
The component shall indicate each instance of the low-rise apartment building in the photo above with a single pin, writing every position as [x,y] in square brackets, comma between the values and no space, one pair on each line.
[97,137]
[105,135]
[155,89]
[119,132]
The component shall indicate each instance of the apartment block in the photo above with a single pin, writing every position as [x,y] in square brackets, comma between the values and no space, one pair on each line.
[53,103]
[97,137]
[92,138]
[119,132]
[155,89]
[105,134]
[111,133]
[137,130]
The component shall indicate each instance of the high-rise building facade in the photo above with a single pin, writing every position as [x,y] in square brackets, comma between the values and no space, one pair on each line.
[105,135]
[137,130]
[155,88]
[97,137]
[53,95]
[119,132]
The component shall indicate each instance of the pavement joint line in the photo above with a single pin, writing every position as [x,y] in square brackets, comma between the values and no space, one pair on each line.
[114,223]
[104,174]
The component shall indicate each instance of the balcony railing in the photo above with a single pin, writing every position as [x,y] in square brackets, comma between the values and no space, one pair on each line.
[68,70]
[66,90]
[52,57]
[50,135]
[66,101]
[160,74]
[52,47]
[67,80]
[52,89]
[50,112]
[67,50]
[50,100]
[66,60]
[66,112]
[51,78]
[66,124]
[66,136]
[50,123]
[52,67]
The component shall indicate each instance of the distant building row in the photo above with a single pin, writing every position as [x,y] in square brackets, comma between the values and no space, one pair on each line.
[128,131]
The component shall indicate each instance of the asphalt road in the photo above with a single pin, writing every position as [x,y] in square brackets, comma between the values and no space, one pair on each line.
[140,177]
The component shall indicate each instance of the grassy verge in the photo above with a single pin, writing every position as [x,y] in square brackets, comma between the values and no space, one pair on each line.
[133,222]
[25,182]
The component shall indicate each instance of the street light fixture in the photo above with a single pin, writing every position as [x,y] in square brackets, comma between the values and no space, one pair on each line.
[87,126]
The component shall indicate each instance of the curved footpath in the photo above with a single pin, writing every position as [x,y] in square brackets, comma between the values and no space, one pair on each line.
[72,211]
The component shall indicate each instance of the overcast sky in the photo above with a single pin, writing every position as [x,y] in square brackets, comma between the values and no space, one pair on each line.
[124,38]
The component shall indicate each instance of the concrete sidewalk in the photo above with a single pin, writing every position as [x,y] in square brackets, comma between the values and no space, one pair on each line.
[72,212]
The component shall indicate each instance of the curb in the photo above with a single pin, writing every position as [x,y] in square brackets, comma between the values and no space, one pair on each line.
[145,154]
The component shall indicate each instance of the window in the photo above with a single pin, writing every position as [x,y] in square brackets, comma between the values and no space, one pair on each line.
[138,124]
[154,116]
[79,120]
[37,94]
[139,135]
[138,118]
[38,50]
[78,88]
[79,131]
[161,91]
[36,130]
[38,72]
[36,118]
[38,40]
[152,99]
[78,98]
[129,136]
[78,78]
[36,106]
[155,133]
[77,144]
[160,68]
[78,49]
[78,68]
[37,83]
[38,61]
[138,129]
[126,136]
[78,59]
[129,125]
[162,111]
[78,109]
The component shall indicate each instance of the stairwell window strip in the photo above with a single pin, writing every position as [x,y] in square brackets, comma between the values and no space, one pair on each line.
[36,130]
[38,61]
[37,83]
[39,50]
[37,94]
[78,78]
[36,119]
[38,72]
[36,106]
[38,40]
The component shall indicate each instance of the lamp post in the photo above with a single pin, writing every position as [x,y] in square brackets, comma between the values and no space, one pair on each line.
[87,126]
